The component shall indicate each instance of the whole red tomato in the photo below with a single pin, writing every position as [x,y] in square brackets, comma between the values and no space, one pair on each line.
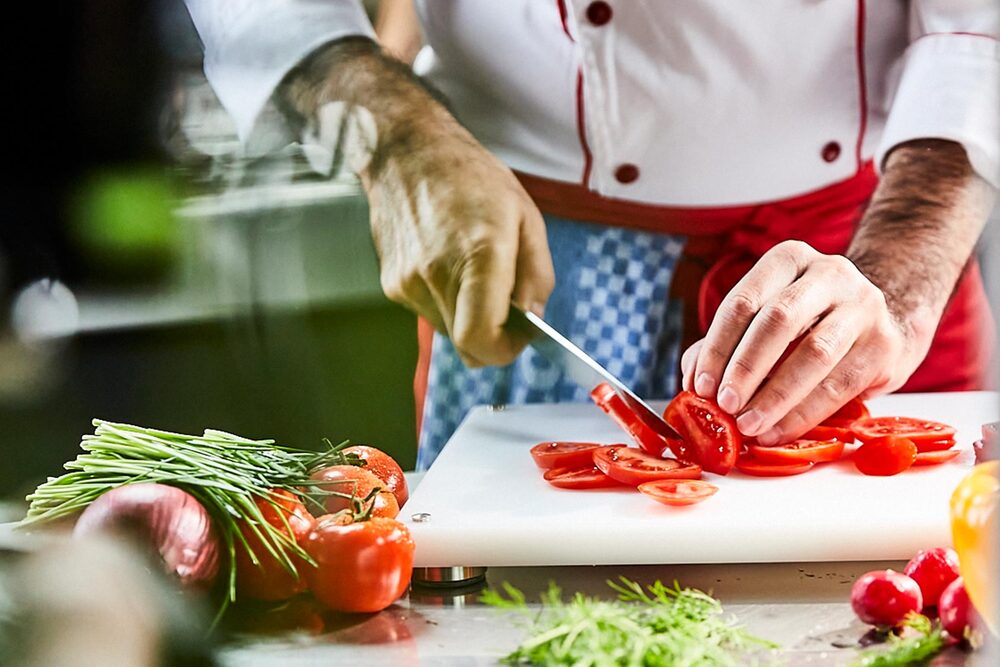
[269,579]
[347,479]
[361,566]
[385,468]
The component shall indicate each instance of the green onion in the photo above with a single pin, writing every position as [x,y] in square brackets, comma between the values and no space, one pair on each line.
[226,473]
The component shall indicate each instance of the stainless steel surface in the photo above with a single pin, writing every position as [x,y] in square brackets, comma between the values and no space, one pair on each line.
[448,576]
[803,607]
[581,367]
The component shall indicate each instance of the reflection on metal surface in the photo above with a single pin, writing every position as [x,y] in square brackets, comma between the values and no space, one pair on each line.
[448,576]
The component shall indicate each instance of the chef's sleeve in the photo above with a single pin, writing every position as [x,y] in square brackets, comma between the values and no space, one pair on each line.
[948,82]
[251,44]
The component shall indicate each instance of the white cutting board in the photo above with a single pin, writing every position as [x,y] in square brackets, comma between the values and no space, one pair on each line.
[489,505]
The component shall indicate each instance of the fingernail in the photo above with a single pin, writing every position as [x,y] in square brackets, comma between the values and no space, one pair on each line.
[768,438]
[728,400]
[749,422]
[704,385]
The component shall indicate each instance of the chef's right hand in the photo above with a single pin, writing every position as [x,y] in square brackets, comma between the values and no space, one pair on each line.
[458,240]
[457,237]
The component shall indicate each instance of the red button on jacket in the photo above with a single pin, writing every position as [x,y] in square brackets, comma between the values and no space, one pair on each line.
[831,151]
[599,13]
[627,173]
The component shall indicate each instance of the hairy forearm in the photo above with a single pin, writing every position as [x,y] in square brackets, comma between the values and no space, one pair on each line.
[356,72]
[920,230]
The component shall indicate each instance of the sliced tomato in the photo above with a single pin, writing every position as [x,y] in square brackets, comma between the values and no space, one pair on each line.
[825,432]
[888,455]
[580,477]
[913,429]
[563,454]
[848,413]
[816,451]
[678,491]
[751,466]
[632,466]
[644,435]
[935,445]
[710,436]
[935,457]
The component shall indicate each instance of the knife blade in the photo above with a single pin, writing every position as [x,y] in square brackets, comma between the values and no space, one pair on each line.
[581,367]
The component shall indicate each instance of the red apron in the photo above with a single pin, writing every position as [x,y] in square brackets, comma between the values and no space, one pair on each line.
[723,243]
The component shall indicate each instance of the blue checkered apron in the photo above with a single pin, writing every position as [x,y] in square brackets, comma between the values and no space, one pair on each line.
[611,298]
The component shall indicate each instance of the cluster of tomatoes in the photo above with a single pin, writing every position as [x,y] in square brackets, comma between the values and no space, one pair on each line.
[711,442]
[929,583]
[362,556]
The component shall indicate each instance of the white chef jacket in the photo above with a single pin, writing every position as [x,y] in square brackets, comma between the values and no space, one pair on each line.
[682,102]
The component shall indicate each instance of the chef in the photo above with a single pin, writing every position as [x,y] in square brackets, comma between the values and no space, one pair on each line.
[788,191]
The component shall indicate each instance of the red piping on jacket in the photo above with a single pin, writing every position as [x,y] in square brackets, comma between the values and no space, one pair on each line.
[959,32]
[563,16]
[581,126]
[862,82]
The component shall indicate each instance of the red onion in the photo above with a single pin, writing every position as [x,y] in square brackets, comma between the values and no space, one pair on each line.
[170,520]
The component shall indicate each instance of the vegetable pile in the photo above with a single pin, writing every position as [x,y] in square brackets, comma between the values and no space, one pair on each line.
[201,502]
[669,470]
[901,607]
[652,627]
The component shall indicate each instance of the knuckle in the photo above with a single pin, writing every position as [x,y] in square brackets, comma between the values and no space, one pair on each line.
[741,306]
[793,249]
[392,288]
[842,385]
[778,316]
[821,350]
[740,369]
[840,266]
[777,394]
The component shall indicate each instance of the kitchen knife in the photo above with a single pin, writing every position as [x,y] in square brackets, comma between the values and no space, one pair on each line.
[581,367]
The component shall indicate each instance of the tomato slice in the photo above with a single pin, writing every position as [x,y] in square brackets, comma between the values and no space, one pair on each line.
[563,454]
[848,413]
[816,451]
[888,455]
[934,446]
[678,492]
[580,477]
[751,466]
[826,432]
[910,428]
[644,435]
[632,466]
[710,437]
[935,457]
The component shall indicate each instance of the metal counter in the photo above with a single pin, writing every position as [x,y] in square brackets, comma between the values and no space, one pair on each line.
[804,607]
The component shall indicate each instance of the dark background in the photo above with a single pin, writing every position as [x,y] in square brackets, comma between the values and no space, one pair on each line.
[87,83]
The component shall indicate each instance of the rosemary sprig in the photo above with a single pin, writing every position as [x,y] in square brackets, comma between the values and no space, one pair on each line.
[226,473]
[656,626]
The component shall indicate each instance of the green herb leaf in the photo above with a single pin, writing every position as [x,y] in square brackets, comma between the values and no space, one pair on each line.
[656,626]
[910,649]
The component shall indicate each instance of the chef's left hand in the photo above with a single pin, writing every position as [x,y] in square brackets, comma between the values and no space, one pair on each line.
[850,344]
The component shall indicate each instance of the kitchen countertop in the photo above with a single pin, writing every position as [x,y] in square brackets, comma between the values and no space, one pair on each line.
[802,606]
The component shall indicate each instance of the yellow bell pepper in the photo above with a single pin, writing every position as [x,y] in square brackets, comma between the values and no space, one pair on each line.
[975,506]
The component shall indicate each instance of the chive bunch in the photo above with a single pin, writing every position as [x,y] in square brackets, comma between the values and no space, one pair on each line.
[226,473]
